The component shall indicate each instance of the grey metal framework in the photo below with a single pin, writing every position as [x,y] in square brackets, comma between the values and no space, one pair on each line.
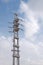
[16,41]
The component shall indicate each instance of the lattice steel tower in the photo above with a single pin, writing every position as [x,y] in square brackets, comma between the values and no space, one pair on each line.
[16,41]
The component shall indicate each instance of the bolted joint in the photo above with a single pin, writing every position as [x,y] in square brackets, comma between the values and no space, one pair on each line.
[17,46]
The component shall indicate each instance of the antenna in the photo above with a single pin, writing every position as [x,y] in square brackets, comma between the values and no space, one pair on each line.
[15,50]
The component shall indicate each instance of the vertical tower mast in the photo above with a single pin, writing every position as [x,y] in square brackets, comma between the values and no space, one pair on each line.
[16,41]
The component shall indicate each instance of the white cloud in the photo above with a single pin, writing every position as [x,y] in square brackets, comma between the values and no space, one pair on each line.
[31,24]
[36,6]
[5,51]
[31,53]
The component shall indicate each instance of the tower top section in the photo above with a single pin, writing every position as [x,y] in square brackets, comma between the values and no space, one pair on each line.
[16,23]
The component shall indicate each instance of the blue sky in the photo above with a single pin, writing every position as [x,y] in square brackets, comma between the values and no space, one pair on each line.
[31,45]
[7,10]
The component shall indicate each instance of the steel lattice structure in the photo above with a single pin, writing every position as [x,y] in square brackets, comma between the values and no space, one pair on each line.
[16,41]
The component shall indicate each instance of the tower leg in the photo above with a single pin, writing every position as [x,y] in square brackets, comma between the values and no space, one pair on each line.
[13,61]
[17,61]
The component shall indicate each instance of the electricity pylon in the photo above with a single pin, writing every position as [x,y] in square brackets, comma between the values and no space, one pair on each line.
[16,41]
[15,50]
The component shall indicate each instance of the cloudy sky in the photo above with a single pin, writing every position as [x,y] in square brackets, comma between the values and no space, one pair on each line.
[31,44]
